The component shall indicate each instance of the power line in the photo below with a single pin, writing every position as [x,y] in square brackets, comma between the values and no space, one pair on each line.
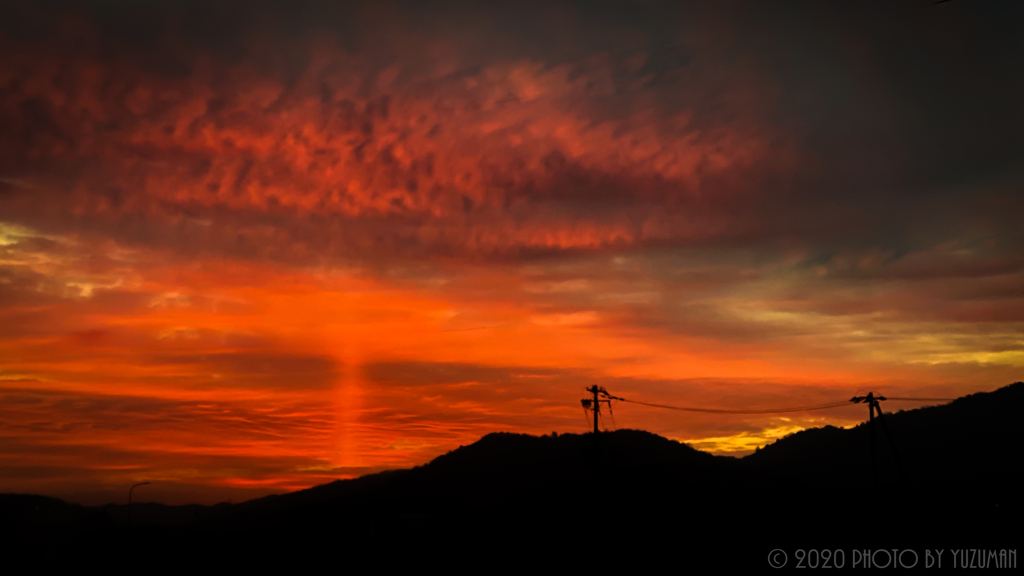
[923,399]
[722,411]
[771,411]
[601,396]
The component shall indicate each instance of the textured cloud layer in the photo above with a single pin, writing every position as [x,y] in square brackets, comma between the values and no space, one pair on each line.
[344,160]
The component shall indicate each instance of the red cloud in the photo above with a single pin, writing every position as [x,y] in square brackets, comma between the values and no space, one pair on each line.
[515,154]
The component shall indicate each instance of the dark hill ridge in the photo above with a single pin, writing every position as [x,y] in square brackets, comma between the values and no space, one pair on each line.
[961,459]
[505,471]
[973,441]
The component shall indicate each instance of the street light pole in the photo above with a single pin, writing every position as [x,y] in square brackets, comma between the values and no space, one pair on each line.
[130,500]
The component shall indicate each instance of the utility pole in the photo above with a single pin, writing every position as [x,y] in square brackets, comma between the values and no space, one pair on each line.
[594,404]
[871,431]
[872,401]
[130,500]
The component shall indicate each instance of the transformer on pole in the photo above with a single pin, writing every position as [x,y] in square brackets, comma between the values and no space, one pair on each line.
[594,404]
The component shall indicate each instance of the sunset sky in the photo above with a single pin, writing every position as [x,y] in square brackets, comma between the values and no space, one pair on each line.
[250,247]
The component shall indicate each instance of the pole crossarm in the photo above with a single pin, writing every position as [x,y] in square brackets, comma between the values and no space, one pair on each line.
[600,396]
[873,406]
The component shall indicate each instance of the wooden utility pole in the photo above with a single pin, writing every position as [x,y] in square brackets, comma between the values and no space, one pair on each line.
[595,403]
[873,404]
[871,431]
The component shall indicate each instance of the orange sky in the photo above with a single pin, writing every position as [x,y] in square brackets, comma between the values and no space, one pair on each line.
[255,270]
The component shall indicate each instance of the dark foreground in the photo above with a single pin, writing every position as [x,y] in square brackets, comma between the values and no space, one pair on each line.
[625,498]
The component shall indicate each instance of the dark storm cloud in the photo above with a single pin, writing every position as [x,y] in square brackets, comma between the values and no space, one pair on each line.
[889,125]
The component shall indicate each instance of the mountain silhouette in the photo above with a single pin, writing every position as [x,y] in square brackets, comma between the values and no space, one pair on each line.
[961,488]
[966,443]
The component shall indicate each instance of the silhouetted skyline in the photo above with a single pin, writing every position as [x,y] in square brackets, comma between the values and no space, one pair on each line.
[642,492]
